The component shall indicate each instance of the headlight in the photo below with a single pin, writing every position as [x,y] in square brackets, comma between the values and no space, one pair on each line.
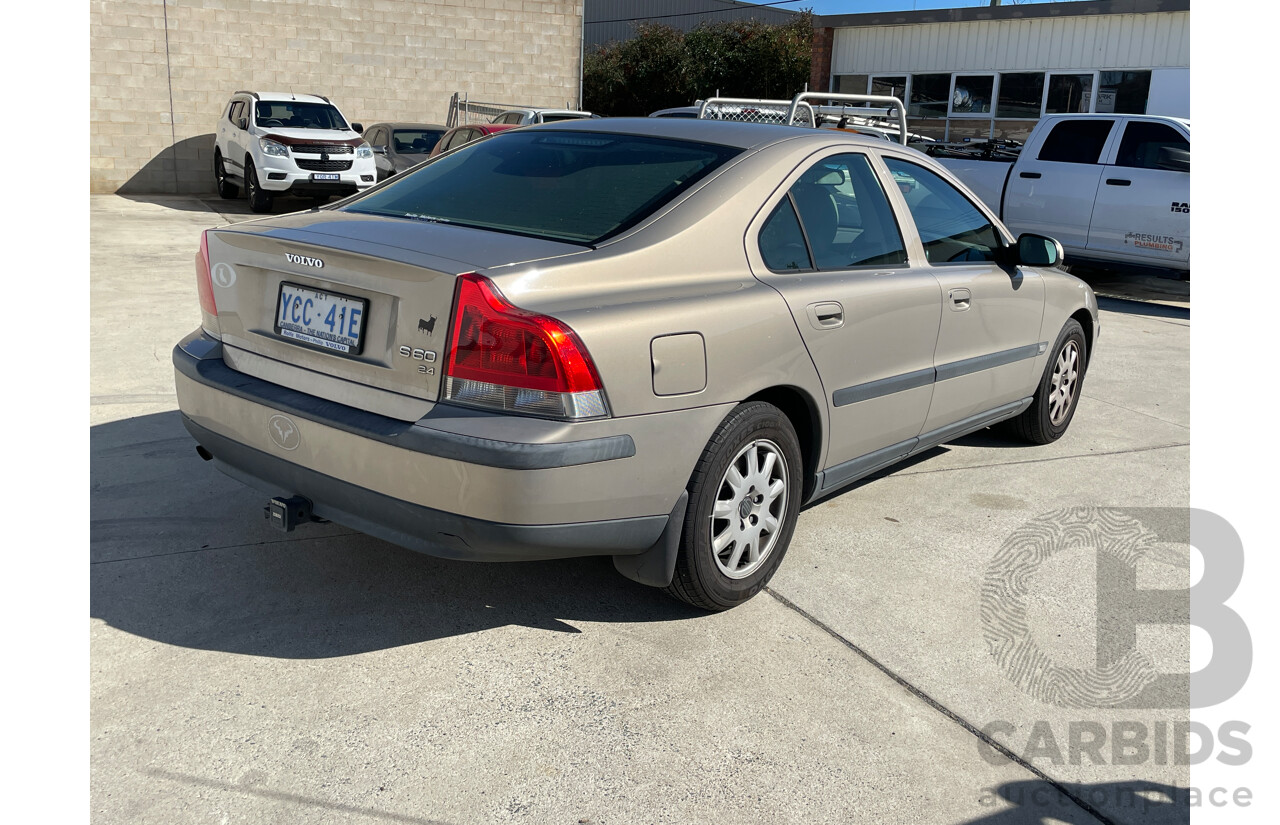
[364,150]
[270,147]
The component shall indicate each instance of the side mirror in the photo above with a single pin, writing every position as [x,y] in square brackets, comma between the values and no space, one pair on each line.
[242,123]
[1175,160]
[358,127]
[1037,250]
[379,150]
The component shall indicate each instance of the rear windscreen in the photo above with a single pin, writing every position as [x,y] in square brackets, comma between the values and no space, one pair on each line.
[567,186]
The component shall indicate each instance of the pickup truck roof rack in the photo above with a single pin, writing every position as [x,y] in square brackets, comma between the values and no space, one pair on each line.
[890,109]
[254,95]
[752,110]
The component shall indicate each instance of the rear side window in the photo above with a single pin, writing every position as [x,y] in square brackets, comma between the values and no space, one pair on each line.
[1076,141]
[1148,145]
[846,216]
[580,187]
[951,228]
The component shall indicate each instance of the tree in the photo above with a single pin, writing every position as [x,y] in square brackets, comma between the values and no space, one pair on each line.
[663,67]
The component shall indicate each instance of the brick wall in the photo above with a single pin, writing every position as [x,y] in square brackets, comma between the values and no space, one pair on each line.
[820,70]
[161,70]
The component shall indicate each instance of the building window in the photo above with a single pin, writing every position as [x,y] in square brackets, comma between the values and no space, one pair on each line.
[1068,93]
[1123,92]
[971,96]
[851,84]
[930,95]
[890,86]
[1020,95]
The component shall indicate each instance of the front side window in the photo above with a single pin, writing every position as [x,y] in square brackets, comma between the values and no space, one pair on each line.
[1149,145]
[846,216]
[295,114]
[237,107]
[951,228]
[1076,141]
[567,186]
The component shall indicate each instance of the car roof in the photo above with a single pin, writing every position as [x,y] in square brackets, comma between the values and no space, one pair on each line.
[401,125]
[734,133]
[277,96]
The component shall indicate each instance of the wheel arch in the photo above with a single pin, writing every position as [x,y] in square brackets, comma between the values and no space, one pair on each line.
[801,409]
[1085,318]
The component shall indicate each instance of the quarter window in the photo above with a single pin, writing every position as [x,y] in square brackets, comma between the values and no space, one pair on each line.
[782,242]
[951,228]
[1076,141]
[846,216]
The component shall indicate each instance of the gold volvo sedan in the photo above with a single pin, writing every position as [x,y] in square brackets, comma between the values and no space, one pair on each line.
[653,339]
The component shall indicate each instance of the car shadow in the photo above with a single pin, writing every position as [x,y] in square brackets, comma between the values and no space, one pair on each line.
[1151,310]
[1035,802]
[181,554]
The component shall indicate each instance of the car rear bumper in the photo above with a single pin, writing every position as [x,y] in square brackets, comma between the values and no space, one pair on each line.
[447,493]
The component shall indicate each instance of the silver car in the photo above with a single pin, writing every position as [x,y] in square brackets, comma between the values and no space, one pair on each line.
[654,339]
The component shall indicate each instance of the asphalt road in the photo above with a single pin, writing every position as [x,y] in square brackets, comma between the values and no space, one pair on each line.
[240,675]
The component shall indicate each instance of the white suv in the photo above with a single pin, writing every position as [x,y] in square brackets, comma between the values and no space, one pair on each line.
[278,143]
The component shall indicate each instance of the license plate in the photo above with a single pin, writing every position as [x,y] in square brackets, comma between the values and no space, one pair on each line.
[325,176]
[325,319]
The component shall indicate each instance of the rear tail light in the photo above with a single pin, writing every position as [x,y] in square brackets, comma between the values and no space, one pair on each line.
[204,284]
[507,358]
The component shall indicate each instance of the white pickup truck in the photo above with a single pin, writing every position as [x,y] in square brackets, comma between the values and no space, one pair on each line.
[1113,189]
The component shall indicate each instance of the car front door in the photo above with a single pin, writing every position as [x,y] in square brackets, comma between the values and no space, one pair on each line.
[1053,193]
[1143,212]
[829,243]
[233,137]
[988,338]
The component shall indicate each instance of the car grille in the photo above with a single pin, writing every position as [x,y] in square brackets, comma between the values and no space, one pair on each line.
[316,149]
[323,165]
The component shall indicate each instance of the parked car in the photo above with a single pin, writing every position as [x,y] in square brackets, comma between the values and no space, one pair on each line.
[678,111]
[400,146]
[529,117]
[462,135]
[1114,189]
[654,339]
[280,143]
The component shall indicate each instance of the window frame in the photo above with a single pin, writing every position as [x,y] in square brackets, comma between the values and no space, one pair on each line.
[783,192]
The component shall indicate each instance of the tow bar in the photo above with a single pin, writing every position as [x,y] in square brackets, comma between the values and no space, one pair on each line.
[287,513]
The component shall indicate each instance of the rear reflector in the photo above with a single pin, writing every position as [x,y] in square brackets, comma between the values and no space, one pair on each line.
[507,358]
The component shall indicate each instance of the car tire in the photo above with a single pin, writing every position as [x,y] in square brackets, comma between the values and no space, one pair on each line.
[259,199]
[1058,394]
[226,188]
[728,552]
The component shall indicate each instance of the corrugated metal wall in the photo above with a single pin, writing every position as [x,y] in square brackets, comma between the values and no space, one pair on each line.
[1112,41]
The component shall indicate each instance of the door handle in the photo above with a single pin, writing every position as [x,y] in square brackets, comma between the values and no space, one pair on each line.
[826,315]
[1032,175]
[960,299]
[1118,182]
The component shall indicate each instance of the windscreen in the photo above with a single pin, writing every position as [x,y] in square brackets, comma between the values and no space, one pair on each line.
[294,114]
[567,186]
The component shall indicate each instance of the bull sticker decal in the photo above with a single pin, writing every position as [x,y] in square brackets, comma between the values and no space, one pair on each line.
[427,326]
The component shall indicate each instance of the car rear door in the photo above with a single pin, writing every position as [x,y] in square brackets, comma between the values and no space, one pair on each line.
[1053,193]
[988,337]
[1143,213]
[829,243]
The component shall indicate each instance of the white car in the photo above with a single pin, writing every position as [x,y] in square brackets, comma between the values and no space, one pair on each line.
[280,143]
[528,117]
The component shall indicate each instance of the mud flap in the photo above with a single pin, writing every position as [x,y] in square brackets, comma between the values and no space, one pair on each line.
[657,565]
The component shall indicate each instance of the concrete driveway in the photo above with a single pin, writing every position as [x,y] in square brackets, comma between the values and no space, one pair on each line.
[241,675]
